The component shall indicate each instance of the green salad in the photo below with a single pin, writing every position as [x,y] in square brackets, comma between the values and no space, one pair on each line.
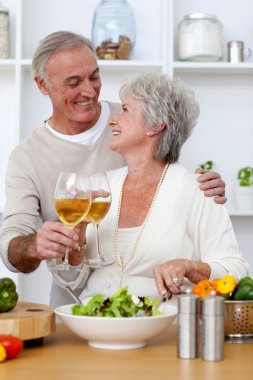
[120,304]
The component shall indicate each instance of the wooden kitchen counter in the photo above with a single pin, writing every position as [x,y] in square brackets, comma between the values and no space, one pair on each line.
[66,356]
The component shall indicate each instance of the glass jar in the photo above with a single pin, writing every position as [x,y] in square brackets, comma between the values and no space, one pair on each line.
[113,29]
[4,32]
[200,38]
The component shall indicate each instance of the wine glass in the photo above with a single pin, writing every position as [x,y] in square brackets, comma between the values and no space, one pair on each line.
[72,201]
[100,205]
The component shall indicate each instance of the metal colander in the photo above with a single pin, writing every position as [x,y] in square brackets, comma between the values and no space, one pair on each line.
[238,316]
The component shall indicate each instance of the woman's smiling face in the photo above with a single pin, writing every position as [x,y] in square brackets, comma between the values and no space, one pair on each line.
[129,128]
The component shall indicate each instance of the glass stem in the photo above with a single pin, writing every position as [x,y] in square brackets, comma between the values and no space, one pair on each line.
[66,257]
[100,257]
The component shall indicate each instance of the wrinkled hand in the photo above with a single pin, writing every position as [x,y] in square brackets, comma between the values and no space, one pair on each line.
[53,238]
[170,275]
[212,185]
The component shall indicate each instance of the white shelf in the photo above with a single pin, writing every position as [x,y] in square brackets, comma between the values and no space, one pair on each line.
[235,212]
[213,67]
[7,63]
[26,62]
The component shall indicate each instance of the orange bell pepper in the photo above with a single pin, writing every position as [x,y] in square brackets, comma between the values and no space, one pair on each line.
[203,288]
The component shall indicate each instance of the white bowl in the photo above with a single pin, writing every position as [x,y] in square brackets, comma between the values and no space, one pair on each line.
[117,333]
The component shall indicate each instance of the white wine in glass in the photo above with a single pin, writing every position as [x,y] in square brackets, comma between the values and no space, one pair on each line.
[100,205]
[72,200]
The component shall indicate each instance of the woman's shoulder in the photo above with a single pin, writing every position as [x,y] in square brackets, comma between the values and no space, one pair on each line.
[179,173]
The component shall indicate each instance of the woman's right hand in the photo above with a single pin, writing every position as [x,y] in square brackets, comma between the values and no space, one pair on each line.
[76,255]
[171,274]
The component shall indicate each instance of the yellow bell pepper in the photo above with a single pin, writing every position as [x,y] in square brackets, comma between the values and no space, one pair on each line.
[226,285]
[3,354]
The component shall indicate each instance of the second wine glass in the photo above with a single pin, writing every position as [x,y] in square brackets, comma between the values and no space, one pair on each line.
[100,205]
[72,200]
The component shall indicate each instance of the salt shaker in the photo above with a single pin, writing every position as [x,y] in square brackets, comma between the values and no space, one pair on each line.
[213,328]
[187,326]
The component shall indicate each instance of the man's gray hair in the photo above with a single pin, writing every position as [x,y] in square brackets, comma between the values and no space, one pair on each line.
[165,102]
[54,42]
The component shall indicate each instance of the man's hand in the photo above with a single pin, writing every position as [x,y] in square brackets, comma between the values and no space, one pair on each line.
[25,253]
[212,185]
[52,240]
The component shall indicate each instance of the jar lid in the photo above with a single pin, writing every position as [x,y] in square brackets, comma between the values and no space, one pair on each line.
[3,9]
[199,16]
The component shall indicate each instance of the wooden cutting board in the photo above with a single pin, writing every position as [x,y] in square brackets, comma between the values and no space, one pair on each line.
[28,321]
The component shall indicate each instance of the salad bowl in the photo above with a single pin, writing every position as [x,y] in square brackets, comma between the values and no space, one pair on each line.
[120,332]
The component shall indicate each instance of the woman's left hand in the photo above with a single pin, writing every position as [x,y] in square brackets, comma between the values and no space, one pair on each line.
[212,185]
[170,275]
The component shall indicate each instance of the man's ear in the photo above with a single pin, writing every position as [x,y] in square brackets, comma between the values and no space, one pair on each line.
[158,129]
[41,85]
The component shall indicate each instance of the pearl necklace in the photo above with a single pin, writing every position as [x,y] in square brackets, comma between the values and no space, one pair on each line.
[119,261]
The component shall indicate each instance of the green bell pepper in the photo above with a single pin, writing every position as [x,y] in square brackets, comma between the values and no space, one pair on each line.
[8,294]
[243,290]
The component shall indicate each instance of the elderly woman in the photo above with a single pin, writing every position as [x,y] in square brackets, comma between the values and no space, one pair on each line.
[161,231]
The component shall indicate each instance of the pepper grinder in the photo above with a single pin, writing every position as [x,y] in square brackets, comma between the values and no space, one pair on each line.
[213,328]
[187,326]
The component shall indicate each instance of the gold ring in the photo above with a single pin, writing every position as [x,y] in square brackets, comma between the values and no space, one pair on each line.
[175,280]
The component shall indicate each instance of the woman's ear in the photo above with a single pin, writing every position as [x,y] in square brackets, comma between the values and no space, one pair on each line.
[41,85]
[158,129]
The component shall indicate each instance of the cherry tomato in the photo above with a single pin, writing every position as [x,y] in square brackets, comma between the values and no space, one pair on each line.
[12,344]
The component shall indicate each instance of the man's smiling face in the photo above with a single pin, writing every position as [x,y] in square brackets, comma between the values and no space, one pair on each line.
[74,87]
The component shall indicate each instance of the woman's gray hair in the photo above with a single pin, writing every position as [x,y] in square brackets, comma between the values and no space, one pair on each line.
[54,42]
[166,102]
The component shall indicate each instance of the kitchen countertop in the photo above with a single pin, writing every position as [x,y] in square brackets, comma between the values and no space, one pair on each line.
[66,356]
